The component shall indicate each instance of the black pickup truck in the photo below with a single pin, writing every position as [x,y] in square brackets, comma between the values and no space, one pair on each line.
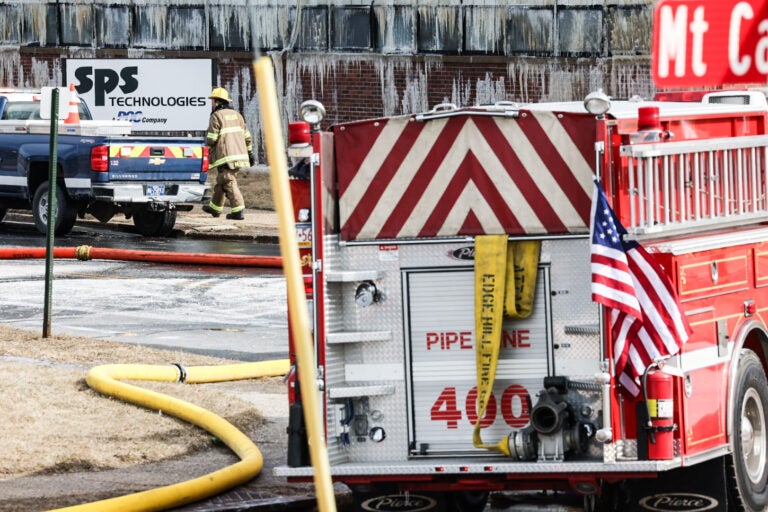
[102,169]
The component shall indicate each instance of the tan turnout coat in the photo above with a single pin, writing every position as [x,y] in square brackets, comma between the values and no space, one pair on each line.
[229,140]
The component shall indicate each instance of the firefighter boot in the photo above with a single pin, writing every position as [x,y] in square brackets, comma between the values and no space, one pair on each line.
[236,215]
[208,209]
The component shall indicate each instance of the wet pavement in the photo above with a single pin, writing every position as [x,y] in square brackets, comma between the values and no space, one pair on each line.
[239,340]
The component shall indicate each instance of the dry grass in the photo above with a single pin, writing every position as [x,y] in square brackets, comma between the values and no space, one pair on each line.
[54,423]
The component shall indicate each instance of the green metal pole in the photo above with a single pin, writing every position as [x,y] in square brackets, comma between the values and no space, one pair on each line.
[51,223]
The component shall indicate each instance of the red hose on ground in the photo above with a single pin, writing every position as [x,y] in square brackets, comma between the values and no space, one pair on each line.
[85,252]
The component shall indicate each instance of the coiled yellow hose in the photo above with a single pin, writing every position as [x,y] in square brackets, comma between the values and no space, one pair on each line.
[107,379]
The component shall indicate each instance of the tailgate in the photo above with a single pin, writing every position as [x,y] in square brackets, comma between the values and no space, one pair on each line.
[157,160]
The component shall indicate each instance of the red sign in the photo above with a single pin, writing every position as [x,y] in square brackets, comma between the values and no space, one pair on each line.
[709,42]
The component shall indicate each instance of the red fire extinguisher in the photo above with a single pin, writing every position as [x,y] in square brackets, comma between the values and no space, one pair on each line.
[660,404]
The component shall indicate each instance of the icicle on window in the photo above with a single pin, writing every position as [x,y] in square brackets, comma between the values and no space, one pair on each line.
[229,26]
[113,26]
[38,24]
[187,28]
[530,31]
[351,28]
[484,27]
[76,24]
[440,28]
[580,31]
[10,24]
[395,28]
[314,28]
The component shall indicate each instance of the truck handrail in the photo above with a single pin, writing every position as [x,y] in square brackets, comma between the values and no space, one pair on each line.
[443,110]
[695,185]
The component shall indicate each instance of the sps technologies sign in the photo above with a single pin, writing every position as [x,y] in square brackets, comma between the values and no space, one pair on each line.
[704,42]
[153,94]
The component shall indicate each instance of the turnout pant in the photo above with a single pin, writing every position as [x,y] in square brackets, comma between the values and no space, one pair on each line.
[226,186]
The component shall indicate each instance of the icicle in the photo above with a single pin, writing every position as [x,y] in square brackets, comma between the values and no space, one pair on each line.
[10,64]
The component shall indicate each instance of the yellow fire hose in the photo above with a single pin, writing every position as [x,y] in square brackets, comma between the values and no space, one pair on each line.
[297,302]
[505,283]
[107,380]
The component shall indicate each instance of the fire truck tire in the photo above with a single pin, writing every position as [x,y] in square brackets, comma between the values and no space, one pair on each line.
[748,464]
[65,215]
[466,501]
[151,223]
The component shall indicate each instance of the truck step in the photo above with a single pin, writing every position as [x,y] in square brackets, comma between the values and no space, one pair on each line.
[337,392]
[358,336]
[350,276]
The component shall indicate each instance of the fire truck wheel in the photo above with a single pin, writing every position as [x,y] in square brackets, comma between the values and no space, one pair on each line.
[150,223]
[466,501]
[65,215]
[747,469]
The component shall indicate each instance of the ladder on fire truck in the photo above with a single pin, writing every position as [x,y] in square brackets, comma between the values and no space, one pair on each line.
[689,186]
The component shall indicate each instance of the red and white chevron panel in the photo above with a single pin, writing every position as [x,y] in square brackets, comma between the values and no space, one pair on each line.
[465,175]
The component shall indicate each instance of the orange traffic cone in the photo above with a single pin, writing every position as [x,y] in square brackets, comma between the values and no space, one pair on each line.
[74,115]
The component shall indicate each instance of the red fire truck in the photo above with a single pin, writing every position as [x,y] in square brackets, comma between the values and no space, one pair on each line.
[390,215]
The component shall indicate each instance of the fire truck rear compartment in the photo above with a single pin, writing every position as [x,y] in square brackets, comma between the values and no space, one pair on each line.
[395,314]
[404,400]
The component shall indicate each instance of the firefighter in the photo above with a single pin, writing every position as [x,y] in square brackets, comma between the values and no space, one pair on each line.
[231,148]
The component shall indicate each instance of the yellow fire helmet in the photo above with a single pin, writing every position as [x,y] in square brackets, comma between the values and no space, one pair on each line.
[220,93]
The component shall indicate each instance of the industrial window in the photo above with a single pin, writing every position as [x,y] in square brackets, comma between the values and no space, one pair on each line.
[39,24]
[187,28]
[149,28]
[440,28]
[76,24]
[351,28]
[484,28]
[529,31]
[393,27]
[10,24]
[580,31]
[272,25]
[627,30]
[314,29]
[113,26]
[229,27]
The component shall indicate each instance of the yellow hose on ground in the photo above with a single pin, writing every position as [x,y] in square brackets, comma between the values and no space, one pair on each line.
[297,302]
[107,379]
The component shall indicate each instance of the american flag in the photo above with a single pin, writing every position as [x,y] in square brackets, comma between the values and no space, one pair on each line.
[647,319]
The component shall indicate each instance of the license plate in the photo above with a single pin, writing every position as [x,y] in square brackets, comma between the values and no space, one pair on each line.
[155,190]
